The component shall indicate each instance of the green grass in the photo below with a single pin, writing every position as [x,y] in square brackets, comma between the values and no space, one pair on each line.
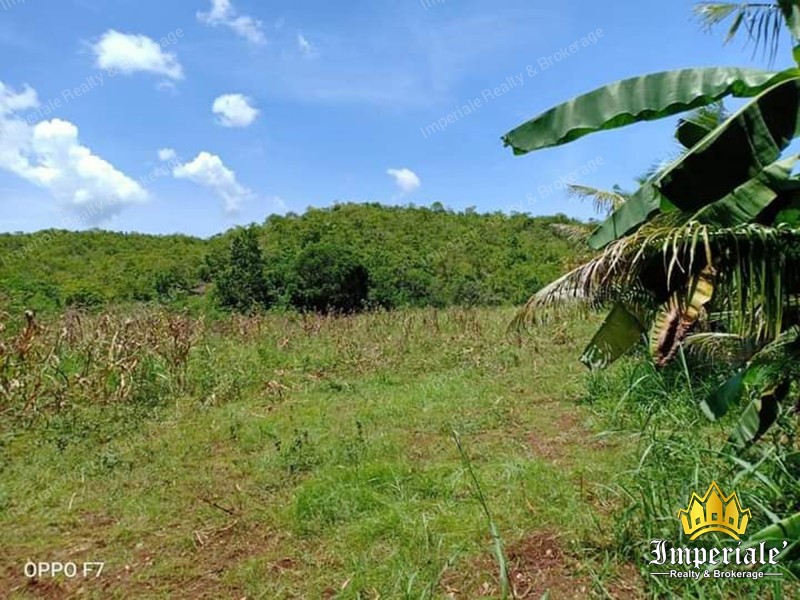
[315,457]
[681,452]
[309,453]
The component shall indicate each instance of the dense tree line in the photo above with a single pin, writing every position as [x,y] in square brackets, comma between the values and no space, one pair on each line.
[343,258]
[54,269]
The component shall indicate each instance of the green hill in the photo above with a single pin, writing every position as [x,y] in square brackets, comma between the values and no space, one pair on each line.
[414,256]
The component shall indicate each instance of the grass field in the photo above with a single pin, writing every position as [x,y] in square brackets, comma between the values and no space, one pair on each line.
[312,457]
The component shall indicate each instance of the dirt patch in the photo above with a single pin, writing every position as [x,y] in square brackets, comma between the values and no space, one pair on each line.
[555,448]
[536,564]
[627,584]
[565,432]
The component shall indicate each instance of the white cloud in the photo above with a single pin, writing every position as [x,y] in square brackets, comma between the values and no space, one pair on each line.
[11,101]
[223,13]
[209,171]
[234,110]
[49,155]
[406,180]
[307,49]
[166,154]
[129,53]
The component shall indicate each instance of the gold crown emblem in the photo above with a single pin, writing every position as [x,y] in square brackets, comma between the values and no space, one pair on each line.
[714,512]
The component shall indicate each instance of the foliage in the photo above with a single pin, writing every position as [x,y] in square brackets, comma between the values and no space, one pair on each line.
[241,284]
[420,256]
[327,278]
[637,99]
[710,240]
[316,442]
[56,367]
[763,22]
[656,408]
[51,270]
[414,257]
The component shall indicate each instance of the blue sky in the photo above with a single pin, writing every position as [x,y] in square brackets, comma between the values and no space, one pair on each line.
[263,107]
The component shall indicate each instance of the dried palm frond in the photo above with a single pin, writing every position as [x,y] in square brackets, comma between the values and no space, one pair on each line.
[680,315]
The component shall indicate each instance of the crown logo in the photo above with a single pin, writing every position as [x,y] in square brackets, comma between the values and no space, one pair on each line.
[714,512]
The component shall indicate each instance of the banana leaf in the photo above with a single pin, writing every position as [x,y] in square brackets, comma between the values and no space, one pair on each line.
[740,149]
[620,332]
[643,98]
[766,372]
[691,132]
[752,198]
[789,213]
[759,416]
[728,394]
[737,151]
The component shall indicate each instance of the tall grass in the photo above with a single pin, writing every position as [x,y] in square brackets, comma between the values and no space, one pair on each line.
[328,441]
[679,451]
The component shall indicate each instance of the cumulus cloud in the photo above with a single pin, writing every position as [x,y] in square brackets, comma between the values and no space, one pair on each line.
[49,154]
[129,53]
[406,180]
[223,13]
[166,154]
[209,171]
[234,110]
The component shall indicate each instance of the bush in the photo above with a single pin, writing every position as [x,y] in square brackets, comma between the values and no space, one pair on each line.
[329,278]
[84,298]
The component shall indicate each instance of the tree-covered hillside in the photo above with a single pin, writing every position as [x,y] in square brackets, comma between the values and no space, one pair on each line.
[54,269]
[411,257]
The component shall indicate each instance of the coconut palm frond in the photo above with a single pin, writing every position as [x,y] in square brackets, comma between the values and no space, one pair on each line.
[763,22]
[605,201]
[710,116]
[714,13]
[698,124]
[728,347]
[572,232]
[750,281]
[568,294]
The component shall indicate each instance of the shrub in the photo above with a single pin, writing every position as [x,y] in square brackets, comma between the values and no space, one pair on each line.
[329,278]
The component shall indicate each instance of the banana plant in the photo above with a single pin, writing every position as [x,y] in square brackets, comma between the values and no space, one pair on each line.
[715,232]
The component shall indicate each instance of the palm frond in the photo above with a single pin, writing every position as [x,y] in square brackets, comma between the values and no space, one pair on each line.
[700,123]
[763,22]
[605,201]
[750,261]
[711,116]
[572,232]
[727,347]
